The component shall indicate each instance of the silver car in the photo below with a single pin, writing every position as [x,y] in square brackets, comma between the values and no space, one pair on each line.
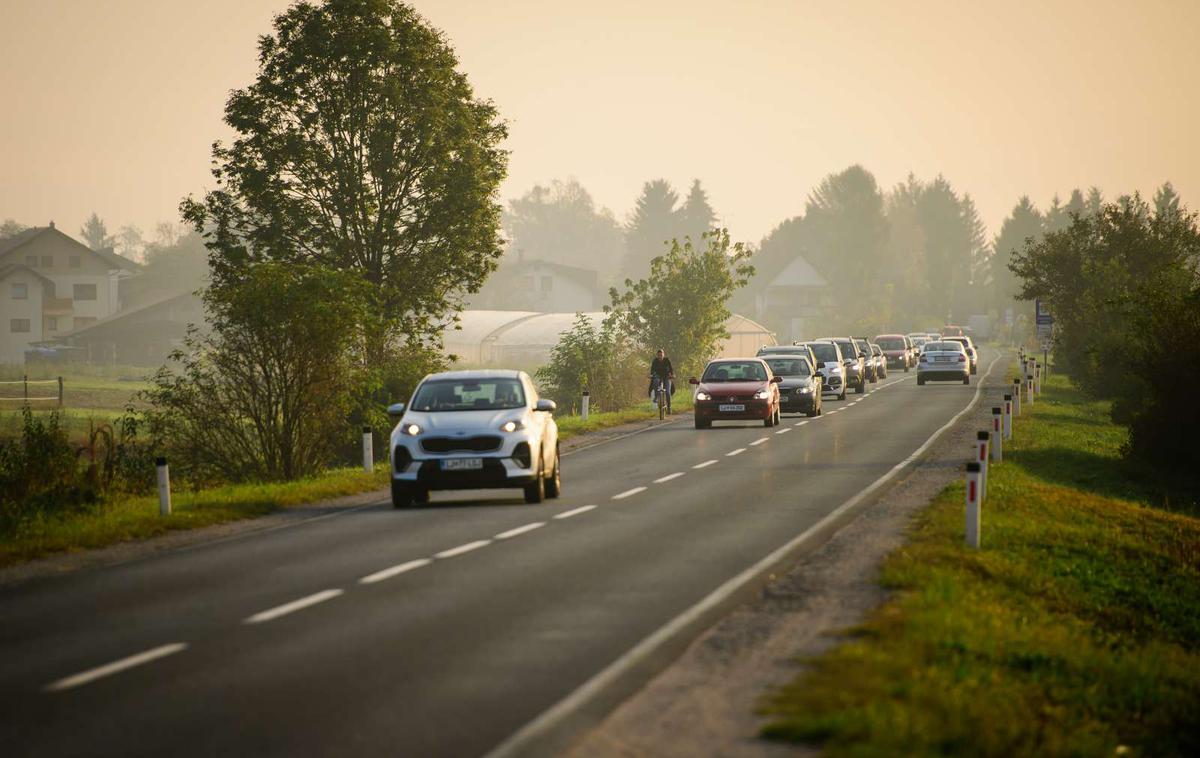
[943,361]
[474,430]
[972,353]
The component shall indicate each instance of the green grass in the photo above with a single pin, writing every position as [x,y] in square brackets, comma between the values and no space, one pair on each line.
[136,518]
[570,426]
[1074,631]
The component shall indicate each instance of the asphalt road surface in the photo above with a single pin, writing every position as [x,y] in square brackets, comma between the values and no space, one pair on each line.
[441,630]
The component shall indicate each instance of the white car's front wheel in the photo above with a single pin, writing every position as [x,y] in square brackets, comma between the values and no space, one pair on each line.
[535,491]
[554,484]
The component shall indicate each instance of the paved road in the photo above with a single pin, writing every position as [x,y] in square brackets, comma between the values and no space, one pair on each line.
[436,631]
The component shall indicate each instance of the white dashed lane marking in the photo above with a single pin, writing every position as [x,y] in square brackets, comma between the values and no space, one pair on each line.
[520,530]
[296,605]
[463,549]
[759,441]
[628,493]
[575,511]
[396,570]
[115,667]
[706,464]
[668,477]
[783,431]
[739,451]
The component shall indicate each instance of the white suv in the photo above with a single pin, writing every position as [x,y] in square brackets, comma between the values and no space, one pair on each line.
[474,430]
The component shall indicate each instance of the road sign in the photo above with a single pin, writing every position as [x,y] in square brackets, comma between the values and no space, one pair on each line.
[1043,314]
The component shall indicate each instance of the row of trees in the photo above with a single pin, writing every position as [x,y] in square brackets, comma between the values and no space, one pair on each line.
[561,222]
[1123,280]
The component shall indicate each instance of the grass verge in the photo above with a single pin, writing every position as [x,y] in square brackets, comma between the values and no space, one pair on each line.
[1074,631]
[570,426]
[136,518]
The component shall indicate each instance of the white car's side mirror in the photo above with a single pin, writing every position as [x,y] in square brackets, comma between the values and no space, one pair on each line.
[545,406]
[396,410]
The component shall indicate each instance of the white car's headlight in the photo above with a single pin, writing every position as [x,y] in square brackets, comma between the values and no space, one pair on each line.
[762,394]
[514,425]
[703,396]
[411,430]
[835,370]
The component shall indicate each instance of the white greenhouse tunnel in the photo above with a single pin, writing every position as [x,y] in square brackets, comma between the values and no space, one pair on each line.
[525,338]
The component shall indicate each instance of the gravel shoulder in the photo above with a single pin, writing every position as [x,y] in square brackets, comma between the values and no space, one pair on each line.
[705,702]
[126,552]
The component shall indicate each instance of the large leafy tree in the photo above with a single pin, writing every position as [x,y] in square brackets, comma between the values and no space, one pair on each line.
[95,233]
[560,222]
[947,244]
[360,147]
[682,306]
[653,223]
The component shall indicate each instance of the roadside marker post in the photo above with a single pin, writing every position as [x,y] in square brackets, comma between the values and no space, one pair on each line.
[368,448]
[973,498]
[1016,397]
[981,446]
[1029,389]
[1039,368]
[164,486]
[1008,414]
[583,405]
[997,435]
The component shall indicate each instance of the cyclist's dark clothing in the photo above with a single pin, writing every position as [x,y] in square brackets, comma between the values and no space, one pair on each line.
[661,368]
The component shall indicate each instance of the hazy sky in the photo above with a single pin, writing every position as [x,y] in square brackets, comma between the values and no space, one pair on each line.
[111,105]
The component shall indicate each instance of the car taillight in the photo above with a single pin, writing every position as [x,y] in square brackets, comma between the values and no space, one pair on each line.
[962,358]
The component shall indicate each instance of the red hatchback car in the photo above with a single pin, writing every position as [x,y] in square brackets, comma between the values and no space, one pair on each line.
[737,389]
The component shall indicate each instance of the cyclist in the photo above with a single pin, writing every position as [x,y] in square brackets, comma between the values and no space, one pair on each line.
[661,370]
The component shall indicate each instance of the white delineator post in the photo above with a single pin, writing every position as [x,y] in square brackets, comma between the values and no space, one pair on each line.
[368,447]
[583,405]
[974,497]
[1008,414]
[997,440]
[981,457]
[1016,397]
[164,486]
[1029,389]
[1038,370]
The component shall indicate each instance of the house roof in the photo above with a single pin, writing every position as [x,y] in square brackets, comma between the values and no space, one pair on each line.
[123,315]
[106,254]
[798,273]
[12,268]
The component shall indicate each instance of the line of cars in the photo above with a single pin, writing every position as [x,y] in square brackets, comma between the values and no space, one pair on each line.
[485,429]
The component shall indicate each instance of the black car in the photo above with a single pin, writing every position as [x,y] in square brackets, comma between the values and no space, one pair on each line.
[800,390]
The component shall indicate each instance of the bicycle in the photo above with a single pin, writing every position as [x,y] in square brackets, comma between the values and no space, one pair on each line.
[661,397]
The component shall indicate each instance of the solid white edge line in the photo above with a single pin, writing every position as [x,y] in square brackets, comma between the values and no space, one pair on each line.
[628,493]
[396,570]
[732,453]
[511,746]
[706,464]
[452,552]
[575,511]
[668,477]
[783,431]
[759,441]
[296,605]
[116,667]
[520,530]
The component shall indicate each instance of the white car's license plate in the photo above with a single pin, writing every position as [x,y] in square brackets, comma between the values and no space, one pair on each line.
[941,359]
[461,464]
[732,408]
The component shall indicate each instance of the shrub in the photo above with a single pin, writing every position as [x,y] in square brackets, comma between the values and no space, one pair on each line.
[596,359]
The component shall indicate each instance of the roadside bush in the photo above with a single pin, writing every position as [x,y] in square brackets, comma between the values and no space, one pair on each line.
[388,379]
[596,359]
[267,393]
[1125,294]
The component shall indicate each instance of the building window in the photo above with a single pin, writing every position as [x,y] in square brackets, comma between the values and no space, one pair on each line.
[52,323]
[17,325]
[76,261]
[20,291]
[547,284]
[47,261]
[85,292]
[31,261]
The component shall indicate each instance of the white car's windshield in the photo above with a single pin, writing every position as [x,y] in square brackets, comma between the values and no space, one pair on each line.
[490,394]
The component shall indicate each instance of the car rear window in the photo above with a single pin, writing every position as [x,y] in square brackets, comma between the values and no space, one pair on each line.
[944,347]
[735,371]
[490,394]
[890,343]
[825,352]
[789,366]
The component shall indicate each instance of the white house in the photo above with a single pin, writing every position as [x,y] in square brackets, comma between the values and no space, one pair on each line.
[537,285]
[53,285]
